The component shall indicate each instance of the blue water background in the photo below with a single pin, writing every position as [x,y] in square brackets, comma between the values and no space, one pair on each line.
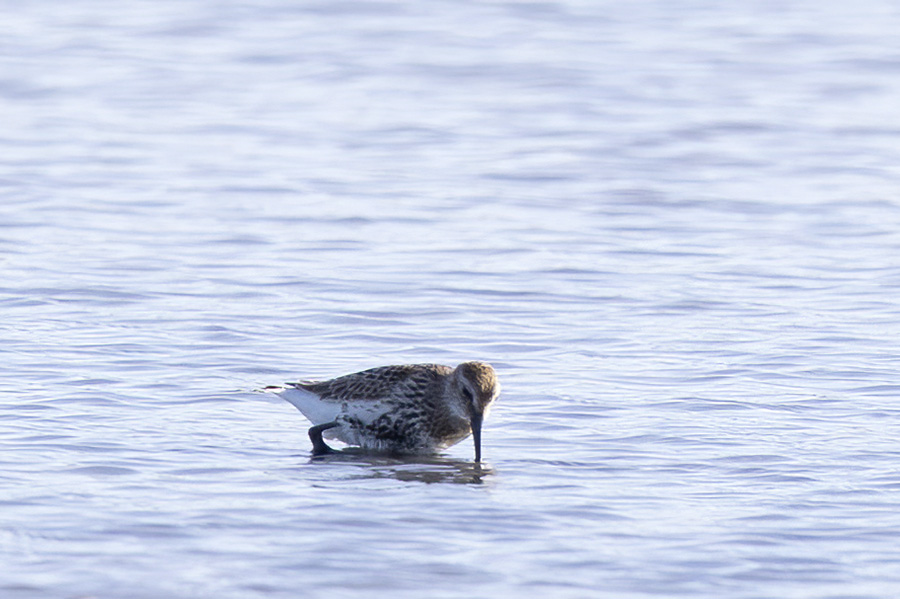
[673,227]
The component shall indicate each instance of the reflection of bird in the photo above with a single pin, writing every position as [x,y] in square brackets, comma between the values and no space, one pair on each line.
[412,409]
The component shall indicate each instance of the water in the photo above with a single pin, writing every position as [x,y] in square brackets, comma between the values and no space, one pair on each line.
[672,227]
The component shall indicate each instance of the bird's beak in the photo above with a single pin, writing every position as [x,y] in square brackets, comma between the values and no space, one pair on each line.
[476,434]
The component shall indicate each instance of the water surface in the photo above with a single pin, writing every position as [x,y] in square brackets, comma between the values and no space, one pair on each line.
[673,229]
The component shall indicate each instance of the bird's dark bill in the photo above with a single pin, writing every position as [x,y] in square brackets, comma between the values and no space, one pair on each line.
[476,435]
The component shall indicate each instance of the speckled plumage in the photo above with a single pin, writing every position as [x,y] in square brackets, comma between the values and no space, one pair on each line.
[412,409]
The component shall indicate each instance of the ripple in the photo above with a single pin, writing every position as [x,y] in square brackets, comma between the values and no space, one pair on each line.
[103,471]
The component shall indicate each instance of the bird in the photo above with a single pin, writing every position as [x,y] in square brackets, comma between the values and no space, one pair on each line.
[402,409]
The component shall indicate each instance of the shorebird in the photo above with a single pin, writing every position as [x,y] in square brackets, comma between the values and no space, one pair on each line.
[408,409]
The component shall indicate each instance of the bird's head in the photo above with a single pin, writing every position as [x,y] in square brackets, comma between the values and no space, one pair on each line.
[478,387]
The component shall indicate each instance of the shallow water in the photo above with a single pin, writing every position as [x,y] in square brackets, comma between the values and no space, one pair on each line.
[673,229]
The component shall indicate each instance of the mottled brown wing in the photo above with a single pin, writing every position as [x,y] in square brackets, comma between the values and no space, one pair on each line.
[376,383]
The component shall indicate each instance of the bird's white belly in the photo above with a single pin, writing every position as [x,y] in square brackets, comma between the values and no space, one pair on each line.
[354,417]
[369,425]
[316,410]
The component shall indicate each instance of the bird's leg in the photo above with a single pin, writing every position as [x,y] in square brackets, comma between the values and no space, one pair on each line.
[315,435]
